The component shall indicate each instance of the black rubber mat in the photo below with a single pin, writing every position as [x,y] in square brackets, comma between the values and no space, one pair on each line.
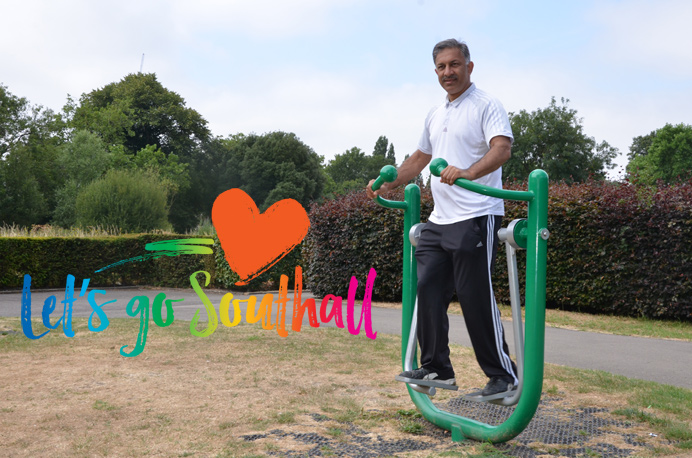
[566,430]
[554,431]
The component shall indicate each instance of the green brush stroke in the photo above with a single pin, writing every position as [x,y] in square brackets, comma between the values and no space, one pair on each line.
[168,248]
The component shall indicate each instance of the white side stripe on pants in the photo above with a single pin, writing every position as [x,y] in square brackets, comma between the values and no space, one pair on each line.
[497,322]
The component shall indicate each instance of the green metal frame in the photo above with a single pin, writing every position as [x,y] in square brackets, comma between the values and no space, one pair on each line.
[536,234]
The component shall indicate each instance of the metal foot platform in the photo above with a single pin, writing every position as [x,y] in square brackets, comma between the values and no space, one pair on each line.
[477,396]
[431,383]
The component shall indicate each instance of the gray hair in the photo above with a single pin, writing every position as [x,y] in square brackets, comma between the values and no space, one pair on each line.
[452,43]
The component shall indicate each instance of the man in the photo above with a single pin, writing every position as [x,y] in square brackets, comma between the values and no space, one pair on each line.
[457,247]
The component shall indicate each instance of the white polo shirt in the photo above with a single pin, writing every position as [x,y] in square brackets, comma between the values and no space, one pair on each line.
[460,132]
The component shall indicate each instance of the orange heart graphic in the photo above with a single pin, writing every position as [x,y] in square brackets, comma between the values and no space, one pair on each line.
[252,241]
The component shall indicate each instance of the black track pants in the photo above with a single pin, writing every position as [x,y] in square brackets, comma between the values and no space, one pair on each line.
[461,257]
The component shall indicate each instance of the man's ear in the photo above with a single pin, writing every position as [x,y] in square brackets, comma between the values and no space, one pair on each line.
[470,67]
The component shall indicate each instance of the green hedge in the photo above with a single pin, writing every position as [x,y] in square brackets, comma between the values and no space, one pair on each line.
[50,260]
[614,248]
[621,249]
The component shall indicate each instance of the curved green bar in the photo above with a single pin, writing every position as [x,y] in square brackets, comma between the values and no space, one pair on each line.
[387,174]
[439,164]
[534,344]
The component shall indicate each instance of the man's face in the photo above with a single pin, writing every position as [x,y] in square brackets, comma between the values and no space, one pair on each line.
[453,72]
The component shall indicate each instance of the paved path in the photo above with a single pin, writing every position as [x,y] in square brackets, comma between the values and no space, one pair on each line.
[663,361]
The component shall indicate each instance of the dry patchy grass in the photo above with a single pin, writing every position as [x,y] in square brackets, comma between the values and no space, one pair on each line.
[190,396]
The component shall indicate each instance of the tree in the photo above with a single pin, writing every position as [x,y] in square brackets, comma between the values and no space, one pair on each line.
[381,150]
[208,177]
[640,145]
[14,120]
[83,158]
[352,164]
[380,157]
[353,170]
[380,147]
[665,154]
[172,174]
[272,167]
[137,114]
[80,161]
[391,155]
[21,199]
[552,139]
[29,139]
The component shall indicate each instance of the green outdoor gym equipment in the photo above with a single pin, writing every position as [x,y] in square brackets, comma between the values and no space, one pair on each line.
[531,234]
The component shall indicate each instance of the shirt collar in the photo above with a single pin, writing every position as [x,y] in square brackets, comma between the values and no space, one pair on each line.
[457,101]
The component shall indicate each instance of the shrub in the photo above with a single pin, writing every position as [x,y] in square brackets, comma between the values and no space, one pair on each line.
[133,201]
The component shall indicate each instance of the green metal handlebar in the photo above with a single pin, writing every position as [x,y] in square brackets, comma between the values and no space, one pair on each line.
[439,164]
[387,174]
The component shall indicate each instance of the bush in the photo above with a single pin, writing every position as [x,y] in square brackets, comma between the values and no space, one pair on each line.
[615,248]
[133,201]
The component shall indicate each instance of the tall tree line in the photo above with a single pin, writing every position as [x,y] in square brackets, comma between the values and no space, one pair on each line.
[56,167]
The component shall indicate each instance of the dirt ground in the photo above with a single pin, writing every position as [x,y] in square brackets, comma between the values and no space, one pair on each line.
[245,391]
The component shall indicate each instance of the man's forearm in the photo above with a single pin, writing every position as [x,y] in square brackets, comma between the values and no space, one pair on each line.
[410,168]
[500,151]
[493,160]
[405,173]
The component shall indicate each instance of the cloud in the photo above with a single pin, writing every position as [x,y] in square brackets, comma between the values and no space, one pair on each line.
[341,73]
[51,49]
[649,37]
[266,19]
[330,113]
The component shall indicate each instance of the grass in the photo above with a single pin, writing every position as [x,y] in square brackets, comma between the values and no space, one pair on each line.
[190,396]
[408,421]
[673,430]
[626,326]
[667,409]
[55,231]
[203,228]
[286,417]
[103,405]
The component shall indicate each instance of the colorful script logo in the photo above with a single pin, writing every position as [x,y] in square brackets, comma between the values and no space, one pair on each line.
[252,243]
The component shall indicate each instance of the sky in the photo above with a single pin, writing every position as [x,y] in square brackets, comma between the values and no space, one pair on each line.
[340,73]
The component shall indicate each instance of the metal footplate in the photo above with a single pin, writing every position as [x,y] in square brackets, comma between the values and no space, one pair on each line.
[431,383]
[476,396]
